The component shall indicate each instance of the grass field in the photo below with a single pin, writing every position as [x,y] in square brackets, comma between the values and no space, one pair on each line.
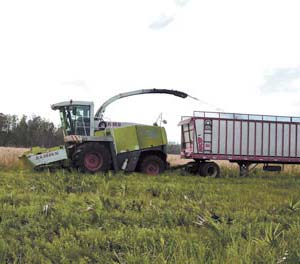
[172,218]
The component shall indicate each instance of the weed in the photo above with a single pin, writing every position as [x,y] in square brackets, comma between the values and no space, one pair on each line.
[293,205]
[272,234]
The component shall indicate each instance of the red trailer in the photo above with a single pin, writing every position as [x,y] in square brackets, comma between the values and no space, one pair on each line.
[242,138]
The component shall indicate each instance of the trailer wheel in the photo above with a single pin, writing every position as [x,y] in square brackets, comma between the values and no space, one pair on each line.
[93,157]
[193,167]
[210,169]
[200,168]
[152,165]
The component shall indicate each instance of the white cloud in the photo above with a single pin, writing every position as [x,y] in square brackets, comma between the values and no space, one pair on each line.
[181,3]
[168,14]
[161,21]
[77,84]
[282,80]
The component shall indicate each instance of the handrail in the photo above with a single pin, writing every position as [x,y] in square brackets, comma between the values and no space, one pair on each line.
[250,117]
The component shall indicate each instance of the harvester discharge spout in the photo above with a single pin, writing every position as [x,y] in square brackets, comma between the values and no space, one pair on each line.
[101,110]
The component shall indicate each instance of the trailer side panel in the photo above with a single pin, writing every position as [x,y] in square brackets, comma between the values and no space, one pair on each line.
[242,137]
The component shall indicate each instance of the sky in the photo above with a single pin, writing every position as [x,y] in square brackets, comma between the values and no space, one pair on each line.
[235,56]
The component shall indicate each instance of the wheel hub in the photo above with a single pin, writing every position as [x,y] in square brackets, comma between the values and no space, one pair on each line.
[152,169]
[93,161]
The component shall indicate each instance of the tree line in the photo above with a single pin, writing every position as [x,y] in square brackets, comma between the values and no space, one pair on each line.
[173,148]
[28,132]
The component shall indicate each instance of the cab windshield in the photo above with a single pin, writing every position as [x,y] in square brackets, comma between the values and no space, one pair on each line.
[75,120]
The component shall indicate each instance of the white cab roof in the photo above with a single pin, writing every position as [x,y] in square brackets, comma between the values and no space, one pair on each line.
[71,102]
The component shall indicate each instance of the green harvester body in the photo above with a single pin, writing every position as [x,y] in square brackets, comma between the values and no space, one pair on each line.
[137,137]
[92,144]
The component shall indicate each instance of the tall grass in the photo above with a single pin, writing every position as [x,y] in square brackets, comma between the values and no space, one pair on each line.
[75,218]
[9,156]
[66,217]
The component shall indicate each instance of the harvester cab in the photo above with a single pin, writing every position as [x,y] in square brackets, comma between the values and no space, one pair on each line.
[77,117]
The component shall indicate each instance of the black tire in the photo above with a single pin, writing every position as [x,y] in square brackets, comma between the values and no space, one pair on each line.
[210,169]
[102,125]
[200,168]
[92,157]
[192,167]
[152,165]
[39,168]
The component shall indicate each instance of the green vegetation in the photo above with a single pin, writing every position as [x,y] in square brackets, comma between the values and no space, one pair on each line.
[75,218]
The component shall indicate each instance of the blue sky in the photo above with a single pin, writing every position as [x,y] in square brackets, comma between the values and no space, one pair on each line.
[238,56]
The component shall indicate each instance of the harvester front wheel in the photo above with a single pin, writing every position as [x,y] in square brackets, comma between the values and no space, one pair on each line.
[152,165]
[93,158]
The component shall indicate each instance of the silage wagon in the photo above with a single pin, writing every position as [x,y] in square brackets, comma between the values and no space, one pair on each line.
[245,139]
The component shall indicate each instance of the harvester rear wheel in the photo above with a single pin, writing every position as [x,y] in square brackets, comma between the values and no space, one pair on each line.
[93,157]
[152,165]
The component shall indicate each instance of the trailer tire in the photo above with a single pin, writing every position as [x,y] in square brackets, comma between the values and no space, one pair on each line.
[210,169]
[192,167]
[93,157]
[200,168]
[152,165]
